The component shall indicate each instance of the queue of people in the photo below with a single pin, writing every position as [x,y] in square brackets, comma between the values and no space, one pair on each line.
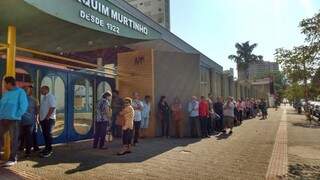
[127,118]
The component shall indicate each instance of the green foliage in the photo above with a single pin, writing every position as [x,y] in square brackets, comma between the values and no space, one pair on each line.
[301,64]
[244,55]
[295,91]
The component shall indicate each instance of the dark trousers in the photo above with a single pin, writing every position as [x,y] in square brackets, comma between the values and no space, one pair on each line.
[194,127]
[47,127]
[26,137]
[240,114]
[219,123]
[165,127]
[100,134]
[35,138]
[115,129]
[12,127]
[137,125]
[127,136]
[210,125]
[204,126]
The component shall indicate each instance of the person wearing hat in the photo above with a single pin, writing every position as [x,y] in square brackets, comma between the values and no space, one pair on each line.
[28,122]
[102,121]
[127,115]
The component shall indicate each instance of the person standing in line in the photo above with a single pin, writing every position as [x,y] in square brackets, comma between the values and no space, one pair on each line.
[263,108]
[218,109]
[138,107]
[211,122]
[29,122]
[193,109]
[116,106]
[146,113]
[203,116]
[164,113]
[228,111]
[127,117]
[240,110]
[47,119]
[177,116]
[102,120]
[244,108]
[13,105]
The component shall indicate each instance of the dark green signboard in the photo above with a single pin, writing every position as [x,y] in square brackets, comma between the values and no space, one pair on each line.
[100,15]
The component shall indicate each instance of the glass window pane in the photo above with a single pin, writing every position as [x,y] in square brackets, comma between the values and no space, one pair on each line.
[102,88]
[57,88]
[83,112]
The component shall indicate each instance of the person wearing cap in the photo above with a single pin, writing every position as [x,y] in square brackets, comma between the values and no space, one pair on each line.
[102,121]
[127,116]
[228,112]
[28,122]
[13,105]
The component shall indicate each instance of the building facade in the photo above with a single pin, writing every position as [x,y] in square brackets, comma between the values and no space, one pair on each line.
[158,10]
[261,69]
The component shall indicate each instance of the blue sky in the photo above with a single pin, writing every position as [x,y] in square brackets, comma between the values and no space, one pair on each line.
[214,26]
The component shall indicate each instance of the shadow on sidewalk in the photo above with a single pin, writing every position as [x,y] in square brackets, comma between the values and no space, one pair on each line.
[307,124]
[223,136]
[304,171]
[81,153]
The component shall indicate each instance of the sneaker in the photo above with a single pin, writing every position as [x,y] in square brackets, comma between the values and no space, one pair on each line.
[46,154]
[9,163]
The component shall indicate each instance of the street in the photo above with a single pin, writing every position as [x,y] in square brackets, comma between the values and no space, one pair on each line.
[249,153]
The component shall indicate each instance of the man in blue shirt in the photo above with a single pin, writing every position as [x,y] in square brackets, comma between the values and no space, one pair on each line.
[13,105]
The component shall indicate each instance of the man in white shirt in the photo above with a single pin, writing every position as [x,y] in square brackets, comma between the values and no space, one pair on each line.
[47,119]
[138,107]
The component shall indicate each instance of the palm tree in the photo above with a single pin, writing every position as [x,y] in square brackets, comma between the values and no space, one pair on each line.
[244,56]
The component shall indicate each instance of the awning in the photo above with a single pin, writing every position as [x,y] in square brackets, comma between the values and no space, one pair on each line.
[65,25]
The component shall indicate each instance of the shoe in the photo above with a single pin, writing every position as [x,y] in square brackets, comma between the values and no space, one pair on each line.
[9,163]
[46,154]
[230,132]
[36,149]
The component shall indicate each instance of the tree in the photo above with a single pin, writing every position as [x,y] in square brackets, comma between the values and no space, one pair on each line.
[244,56]
[301,63]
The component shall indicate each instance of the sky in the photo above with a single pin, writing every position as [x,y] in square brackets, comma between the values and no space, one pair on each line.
[214,26]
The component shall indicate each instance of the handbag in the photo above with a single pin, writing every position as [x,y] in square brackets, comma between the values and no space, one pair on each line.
[109,137]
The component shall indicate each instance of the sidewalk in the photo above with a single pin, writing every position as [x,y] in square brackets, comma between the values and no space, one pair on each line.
[304,147]
[10,174]
[243,155]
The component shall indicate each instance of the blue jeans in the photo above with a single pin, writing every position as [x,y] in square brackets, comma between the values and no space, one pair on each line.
[11,126]
[47,127]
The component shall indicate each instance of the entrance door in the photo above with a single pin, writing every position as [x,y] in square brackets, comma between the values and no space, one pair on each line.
[82,106]
[57,83]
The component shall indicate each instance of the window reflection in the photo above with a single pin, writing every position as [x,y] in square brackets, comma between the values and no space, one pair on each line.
[57,88]
[83,109]
[102,88]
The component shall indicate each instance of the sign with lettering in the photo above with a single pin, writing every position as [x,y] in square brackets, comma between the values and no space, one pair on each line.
[139,60]
[101,15]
